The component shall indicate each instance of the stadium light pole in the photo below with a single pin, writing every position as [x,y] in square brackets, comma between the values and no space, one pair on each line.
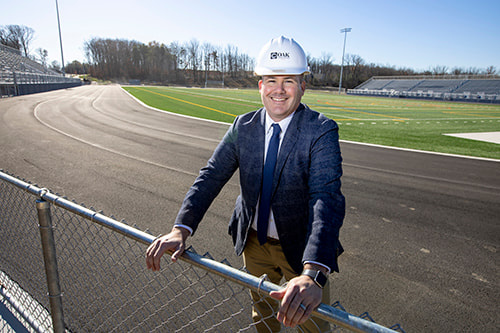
[344,31]
[60,38]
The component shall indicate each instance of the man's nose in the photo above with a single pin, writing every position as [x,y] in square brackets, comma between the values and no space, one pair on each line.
[280,87]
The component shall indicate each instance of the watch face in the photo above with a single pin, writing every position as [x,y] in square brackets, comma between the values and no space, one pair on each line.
[318,277]
[321,278]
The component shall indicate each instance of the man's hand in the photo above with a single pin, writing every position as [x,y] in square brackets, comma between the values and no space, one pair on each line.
[174,241]
[298,300]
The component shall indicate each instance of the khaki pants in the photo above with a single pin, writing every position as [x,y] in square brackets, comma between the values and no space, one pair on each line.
[269,259]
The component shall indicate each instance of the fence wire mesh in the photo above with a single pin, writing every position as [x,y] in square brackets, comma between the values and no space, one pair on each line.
[106,286]
[21,253]
[100,267]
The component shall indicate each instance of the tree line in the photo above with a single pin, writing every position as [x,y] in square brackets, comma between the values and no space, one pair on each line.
[178,63]
[198,64]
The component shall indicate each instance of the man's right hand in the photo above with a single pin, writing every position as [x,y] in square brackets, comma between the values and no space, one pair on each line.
[174,241]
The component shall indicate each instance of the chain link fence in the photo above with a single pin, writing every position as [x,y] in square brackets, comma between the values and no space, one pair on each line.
[105,285]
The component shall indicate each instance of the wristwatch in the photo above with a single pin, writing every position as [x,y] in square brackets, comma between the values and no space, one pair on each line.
[318,276]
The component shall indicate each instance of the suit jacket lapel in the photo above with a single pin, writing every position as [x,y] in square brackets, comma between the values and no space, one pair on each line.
[256,146]
[289,141]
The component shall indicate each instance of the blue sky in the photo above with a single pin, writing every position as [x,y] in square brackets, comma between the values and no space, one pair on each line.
[417,34]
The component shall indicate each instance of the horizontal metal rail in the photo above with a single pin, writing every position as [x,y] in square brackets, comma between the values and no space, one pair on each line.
[21,311]
[259,285]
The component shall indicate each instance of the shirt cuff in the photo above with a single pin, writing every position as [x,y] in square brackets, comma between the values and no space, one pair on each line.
[184,227]
[319,264]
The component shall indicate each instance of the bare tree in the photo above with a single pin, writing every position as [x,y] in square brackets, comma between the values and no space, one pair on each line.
[207,57]
[231,64]
[18,37]
[354,68]
[473,71]
[55,65]
[75,67]
[491,70]
[440,70]
[43,55]
[192,51]
[457,71]
[325,62]
[6,38]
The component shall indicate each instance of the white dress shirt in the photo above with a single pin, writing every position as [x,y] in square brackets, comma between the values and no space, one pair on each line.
[272,231]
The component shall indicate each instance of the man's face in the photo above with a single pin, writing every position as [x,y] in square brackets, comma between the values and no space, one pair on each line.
[281,94]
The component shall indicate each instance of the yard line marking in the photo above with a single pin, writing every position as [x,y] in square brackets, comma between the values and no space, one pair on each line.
[393,118]
[218,97]
[472,114]
[187,102]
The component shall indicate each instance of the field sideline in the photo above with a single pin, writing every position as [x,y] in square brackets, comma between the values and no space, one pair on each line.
[404,123]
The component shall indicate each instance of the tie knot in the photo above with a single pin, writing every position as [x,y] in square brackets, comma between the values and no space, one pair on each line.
[276,129]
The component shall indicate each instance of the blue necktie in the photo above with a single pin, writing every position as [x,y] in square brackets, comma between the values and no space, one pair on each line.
[267,184]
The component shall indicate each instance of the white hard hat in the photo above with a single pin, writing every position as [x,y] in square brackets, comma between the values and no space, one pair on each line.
[282,56]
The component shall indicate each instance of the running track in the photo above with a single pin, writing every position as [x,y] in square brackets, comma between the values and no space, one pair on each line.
[422,231]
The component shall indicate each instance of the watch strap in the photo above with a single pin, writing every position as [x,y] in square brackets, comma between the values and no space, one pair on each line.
[318,276]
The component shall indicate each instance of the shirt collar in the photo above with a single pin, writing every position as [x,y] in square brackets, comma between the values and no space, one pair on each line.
[283,123]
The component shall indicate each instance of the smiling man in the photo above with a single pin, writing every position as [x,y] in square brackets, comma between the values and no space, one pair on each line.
[287,218]
[281,95]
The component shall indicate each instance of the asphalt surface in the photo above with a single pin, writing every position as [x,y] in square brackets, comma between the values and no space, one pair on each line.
[422,231]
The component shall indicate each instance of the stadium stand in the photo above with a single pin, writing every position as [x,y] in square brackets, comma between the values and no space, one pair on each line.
[453,88]
[20,75]
[481,86]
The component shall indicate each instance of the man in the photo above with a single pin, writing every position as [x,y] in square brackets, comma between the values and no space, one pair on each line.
[287,218]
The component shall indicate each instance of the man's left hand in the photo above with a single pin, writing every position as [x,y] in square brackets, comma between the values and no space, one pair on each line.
[298,300]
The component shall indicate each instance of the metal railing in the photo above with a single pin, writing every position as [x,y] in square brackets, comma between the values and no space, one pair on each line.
[21,75]
[460,97]
[97,281]
[19,83]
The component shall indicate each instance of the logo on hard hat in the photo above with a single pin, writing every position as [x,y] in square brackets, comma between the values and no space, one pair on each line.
[279,55]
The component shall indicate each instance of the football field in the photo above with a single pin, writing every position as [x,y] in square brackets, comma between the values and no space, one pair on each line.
[405,123]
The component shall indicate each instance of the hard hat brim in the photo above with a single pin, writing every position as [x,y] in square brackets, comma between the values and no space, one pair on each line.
[276,71]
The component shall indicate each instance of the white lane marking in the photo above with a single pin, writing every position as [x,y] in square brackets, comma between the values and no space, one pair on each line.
[35,113]
[421,151]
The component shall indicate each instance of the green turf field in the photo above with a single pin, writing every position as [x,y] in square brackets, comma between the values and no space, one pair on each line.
[406,123]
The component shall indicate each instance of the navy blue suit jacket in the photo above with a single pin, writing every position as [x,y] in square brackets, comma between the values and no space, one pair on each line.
[307,202]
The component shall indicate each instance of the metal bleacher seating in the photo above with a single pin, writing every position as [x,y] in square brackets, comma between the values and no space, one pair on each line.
[400,85]
[454,88]
[443,86]
[21,75]
[480,86]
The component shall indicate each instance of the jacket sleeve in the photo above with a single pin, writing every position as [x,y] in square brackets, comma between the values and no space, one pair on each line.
[212,178]
[326,201]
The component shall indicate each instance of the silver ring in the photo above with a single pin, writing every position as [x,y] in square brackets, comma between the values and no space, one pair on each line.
[302,306]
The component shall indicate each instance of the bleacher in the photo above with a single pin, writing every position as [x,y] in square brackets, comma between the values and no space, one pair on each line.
[400,85]
[480,86]
[461,88]
[20,75]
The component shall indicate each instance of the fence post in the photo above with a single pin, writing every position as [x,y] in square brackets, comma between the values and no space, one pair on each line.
[50,260]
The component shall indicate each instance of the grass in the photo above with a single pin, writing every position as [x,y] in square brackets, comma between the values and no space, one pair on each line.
[405,123]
